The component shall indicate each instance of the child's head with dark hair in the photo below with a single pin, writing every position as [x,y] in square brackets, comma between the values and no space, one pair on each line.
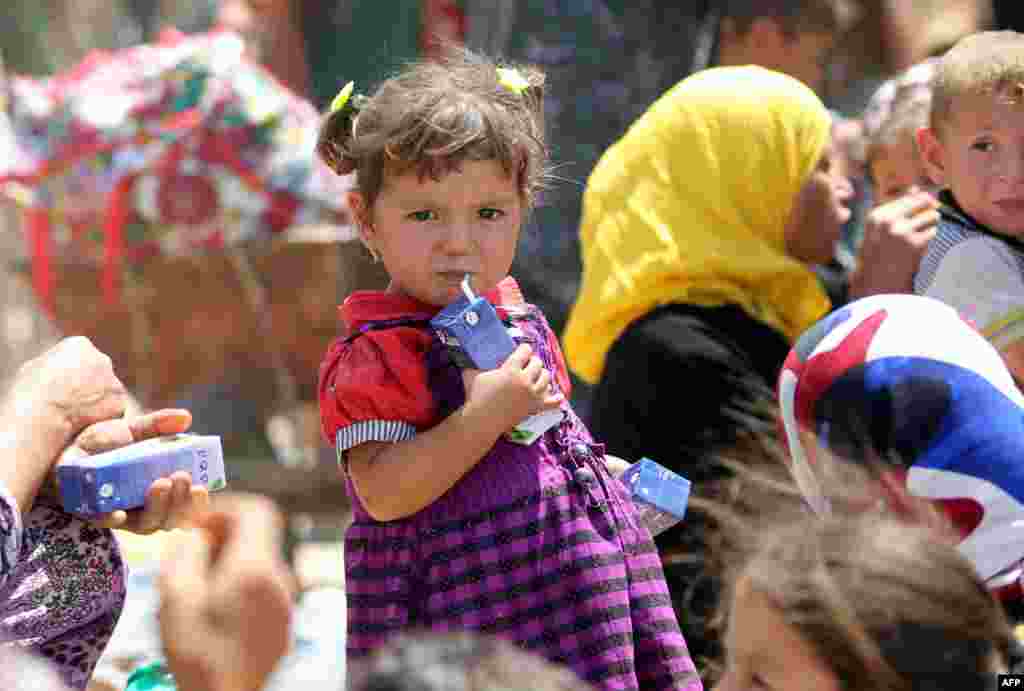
[448,156]
[464,661]
[861,603]
[864,598]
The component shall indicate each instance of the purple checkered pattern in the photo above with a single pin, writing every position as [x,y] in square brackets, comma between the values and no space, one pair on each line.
[538,544]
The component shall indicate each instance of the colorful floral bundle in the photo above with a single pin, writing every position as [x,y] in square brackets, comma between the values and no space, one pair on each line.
[170,148]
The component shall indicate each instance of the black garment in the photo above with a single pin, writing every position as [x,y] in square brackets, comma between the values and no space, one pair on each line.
[679,386]
[673,380]
[1009,14]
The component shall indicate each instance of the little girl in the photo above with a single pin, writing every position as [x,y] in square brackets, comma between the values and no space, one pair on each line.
[457,526]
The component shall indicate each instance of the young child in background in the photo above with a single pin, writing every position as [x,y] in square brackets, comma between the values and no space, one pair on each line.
[897,193]
[973,150]
[893,161]
[859,603]
[455,525]
[892,118]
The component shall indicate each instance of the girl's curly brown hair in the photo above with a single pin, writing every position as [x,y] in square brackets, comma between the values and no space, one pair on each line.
[434,115]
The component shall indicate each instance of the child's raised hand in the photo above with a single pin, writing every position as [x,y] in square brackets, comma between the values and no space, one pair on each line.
[896,235]
[519,388]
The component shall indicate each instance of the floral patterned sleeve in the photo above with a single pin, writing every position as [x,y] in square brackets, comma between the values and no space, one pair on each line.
[10,534]
[62,588]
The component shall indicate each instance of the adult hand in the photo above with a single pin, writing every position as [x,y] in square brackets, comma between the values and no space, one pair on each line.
[51,399]
[170,501]
[896,235]
[73,382]
[225,609]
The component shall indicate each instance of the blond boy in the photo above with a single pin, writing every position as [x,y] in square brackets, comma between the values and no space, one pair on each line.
[973,149]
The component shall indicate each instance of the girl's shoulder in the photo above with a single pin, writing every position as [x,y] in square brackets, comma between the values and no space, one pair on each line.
[367,308]
[377,350]
[377,370]
[379,327]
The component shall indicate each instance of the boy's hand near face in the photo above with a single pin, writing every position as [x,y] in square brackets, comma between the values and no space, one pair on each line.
[896,235]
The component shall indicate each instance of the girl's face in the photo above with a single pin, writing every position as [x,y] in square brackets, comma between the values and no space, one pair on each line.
[819,211]
[431,233]
[764,653]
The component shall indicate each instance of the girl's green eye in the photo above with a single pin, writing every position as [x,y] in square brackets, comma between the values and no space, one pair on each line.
[491,214]
[422,216]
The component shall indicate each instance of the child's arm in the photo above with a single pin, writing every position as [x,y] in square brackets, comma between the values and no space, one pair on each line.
[394,481]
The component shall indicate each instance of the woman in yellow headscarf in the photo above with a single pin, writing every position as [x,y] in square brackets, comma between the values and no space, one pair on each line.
[699,229]
[709,212]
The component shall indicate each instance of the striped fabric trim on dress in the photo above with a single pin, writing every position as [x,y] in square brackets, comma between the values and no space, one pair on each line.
[373,430]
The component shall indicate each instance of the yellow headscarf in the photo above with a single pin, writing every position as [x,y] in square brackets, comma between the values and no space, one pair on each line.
[690,206]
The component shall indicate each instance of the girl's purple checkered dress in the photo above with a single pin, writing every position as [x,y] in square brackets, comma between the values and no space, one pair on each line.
[539,544]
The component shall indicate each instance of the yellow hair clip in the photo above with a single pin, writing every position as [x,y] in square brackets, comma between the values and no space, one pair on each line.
[342,98]
[512,80]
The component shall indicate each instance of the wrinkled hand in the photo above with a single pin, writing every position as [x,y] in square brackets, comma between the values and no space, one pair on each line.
[170,501]
[74,382]
[225,609]
[519,388]
[896,235]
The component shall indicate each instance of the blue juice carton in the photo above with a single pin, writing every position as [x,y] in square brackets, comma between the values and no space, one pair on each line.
[118,479]
[476,338]
[660,495]
[473,332]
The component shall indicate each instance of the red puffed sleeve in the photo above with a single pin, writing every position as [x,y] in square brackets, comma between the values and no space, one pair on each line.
[374,388]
